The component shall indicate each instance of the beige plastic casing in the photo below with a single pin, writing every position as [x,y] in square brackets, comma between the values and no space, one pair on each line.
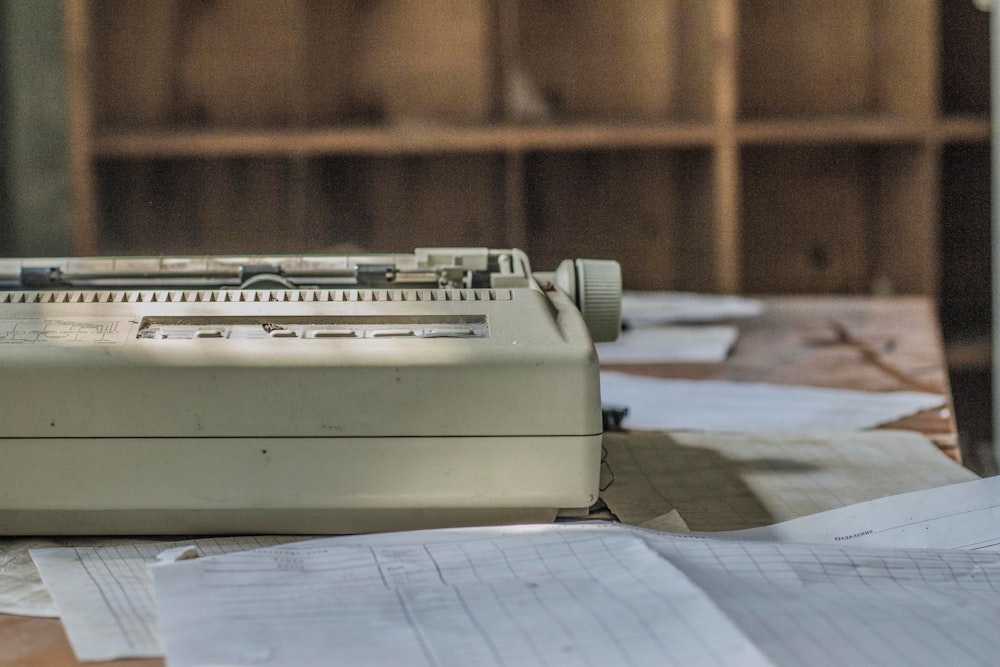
[294,435]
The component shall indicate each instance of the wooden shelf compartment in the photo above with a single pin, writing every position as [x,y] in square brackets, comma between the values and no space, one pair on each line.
[297,63]
[273,205]
[288,63]
[846,58]
[839,219]
[620,60]
[652,210]
[714,145]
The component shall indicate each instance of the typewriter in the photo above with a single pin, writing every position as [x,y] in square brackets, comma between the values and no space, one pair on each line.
[299,394]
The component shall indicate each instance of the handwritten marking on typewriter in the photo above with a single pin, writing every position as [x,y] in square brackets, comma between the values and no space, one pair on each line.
[62,331]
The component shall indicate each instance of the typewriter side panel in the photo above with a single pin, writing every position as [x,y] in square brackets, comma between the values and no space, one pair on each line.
[294,485]
[116,433]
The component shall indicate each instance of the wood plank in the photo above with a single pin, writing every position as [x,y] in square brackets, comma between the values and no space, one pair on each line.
[726,177]
[729,222]
[963,128]
[864,129]
[80,119]
[443,138]
[403,139]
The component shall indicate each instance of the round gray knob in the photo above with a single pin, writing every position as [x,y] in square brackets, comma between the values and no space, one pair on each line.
[596,286]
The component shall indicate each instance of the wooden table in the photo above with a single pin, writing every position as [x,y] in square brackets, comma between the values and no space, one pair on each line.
[882,344]
[877,344]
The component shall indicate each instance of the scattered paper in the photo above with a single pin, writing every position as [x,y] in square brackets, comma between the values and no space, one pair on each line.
[105,593]
[674,344]
[745,407]
[643,308]
[733,481]
[958,516]
[671,522]
[472,597]
[542,598]
[837,605]
[782,595]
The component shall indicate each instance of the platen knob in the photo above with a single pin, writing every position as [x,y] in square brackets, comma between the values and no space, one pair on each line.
[596,286]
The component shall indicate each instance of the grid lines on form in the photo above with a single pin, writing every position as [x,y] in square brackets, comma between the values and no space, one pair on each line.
[105,595]
[118,587]
[850,605]
[536,583]
[123,581]
[548,599]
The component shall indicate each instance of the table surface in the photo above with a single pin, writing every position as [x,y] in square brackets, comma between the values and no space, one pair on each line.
[879,344]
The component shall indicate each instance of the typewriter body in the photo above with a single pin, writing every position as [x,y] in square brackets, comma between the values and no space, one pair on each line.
[299,394]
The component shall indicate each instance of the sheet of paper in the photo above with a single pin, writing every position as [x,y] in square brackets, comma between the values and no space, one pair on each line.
[839,605]
[720,406]
[648,307]
[673,344]
[731,481]
[104,594]
[22,591]
[544,598]
[799,604]
[957,516]
[777,570]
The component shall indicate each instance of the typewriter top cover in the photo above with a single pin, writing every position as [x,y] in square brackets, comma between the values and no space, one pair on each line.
[299,394]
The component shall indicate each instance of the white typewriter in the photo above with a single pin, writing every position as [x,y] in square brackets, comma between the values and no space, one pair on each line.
[299,394]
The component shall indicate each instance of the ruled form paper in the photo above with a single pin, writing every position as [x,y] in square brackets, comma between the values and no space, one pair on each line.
[542,598]
[792,600]
[798,604]
[104,594]
[834,605]
[956,516]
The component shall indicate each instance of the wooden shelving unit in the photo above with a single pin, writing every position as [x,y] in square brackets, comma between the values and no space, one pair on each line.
[714,145]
